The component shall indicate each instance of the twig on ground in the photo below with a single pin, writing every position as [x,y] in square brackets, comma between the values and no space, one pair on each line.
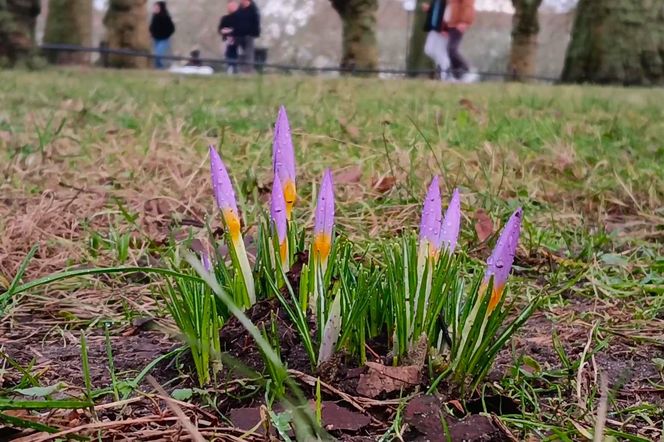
[175,408]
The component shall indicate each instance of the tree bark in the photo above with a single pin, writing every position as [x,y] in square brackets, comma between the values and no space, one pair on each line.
[617,41]
[17,30]
[359,43]
[126,24]
[69,22]
[525,27]
[417,59]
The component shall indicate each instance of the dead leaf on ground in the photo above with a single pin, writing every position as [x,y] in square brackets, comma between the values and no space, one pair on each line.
[338,418]
[466,103]
[483,225]
[349,175]
[383,379]
[384,184]
[249,418]
[72,105]
[333,417]
[351,130]
[474,428]
[158,206]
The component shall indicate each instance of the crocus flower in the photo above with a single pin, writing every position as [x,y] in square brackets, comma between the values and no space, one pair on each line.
[431,219]
[278,215]
[224,194]
[324,220]
[500,262]
[283,158]
[449,232]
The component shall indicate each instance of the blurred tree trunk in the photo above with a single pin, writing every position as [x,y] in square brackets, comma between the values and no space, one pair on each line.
[617,41]
[17,30]
[417,59]
[359,44]
[126,24]
[69,22]
[525,27]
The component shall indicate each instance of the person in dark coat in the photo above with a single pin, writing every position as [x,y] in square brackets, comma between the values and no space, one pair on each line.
[436,43]
[226,29]
[161,30]
[247,28]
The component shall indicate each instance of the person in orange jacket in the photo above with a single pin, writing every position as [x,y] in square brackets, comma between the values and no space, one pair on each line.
[459,15]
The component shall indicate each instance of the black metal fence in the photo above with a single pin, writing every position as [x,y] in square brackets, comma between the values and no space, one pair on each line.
[262,66]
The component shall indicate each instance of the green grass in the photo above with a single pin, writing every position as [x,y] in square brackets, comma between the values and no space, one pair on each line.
[95,165]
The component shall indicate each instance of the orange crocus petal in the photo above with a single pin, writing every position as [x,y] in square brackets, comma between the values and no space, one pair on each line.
[290,196]
[496,295]
[233,223]
[283,250]
[433,252]
[322,245]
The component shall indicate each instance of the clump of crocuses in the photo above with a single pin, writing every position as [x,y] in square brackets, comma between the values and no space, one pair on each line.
[420,293]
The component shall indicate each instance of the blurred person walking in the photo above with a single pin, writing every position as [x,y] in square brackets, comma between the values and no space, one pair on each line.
[459,16]
[247,28]
[161,30]
[435,46]
[226,29]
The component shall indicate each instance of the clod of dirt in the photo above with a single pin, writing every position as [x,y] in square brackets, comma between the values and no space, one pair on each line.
[424,415]
[475,428]
[381,379]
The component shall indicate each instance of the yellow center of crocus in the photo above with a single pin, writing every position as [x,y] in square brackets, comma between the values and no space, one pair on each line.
[322,245]
[283,251]
[232,222]
[290,195]
[433,252]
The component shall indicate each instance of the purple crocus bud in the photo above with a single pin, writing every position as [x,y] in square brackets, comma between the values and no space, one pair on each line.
[500,262]
[224,194]
[278,215]
[283,158]
[449,232]
[431,219]
[324,219]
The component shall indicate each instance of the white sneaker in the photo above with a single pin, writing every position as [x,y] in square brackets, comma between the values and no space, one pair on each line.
[469,77]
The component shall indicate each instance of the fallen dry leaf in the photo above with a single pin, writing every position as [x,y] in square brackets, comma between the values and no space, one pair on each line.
[483,225]
[464,102]
[5,136]
[383,379]
[351,130]
[338,418]
[333,417]
[72,105]
[384,184]
[349,175]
